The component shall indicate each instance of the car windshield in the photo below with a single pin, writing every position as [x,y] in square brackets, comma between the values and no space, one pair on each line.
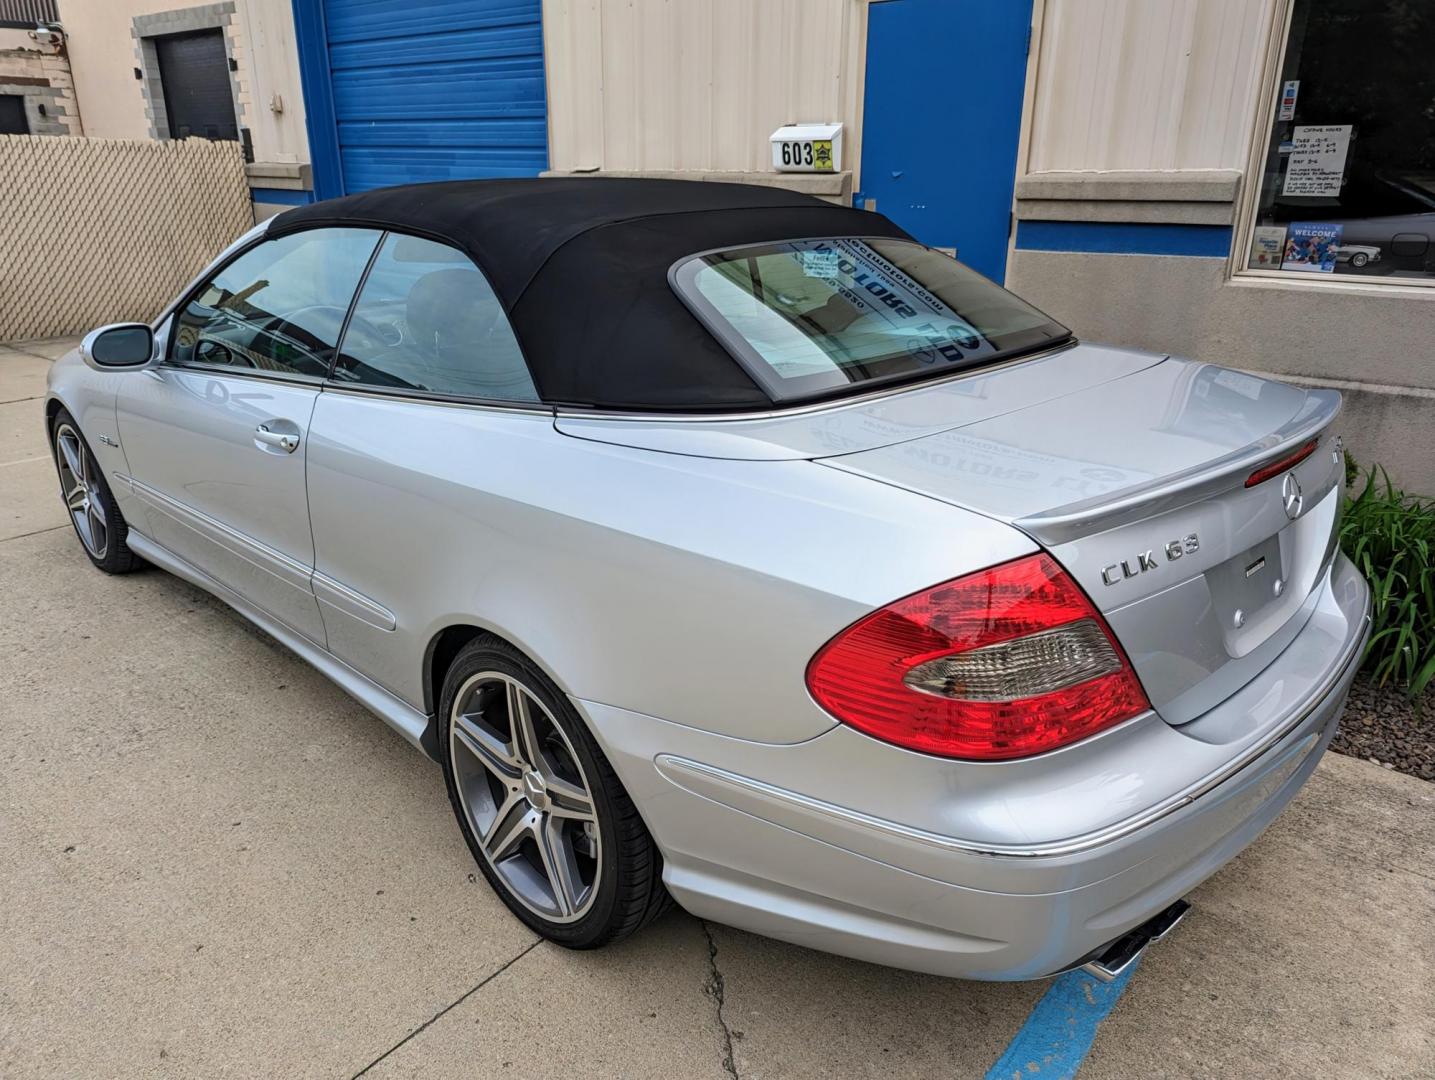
[809,318]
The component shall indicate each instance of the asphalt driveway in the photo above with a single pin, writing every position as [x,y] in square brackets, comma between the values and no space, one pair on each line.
[214,863]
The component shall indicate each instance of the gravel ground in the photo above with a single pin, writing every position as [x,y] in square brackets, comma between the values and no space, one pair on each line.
[1382,725]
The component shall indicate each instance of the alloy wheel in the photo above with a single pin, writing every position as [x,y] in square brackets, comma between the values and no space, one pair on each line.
[80,487]
[525,796]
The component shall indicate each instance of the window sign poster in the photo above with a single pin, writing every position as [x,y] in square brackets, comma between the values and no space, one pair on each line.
[1317,161]
[1311,246]
[1288,96]
[820,264]
[1268,246]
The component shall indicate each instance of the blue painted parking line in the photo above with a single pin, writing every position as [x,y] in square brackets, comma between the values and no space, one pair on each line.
[1057,1035]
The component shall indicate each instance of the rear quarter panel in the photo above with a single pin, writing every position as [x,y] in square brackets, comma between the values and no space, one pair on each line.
[690,589]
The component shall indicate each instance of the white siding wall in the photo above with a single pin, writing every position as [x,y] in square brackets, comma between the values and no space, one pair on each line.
[659,85]
[270,50]
[1147,85]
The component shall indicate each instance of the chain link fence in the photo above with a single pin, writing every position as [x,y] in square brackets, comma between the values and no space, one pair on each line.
[94,231]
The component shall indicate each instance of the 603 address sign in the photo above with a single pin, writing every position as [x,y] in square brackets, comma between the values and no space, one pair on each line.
[815,154]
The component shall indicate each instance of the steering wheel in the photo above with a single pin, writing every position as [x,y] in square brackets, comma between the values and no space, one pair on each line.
[303,325]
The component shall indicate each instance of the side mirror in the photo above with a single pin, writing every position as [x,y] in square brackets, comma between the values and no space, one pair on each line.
[118,346]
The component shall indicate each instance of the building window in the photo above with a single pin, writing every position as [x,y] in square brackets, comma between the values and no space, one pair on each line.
[1347,182]
[12,115]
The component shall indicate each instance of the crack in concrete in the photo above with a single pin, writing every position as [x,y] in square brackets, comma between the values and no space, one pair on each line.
[37,532]
[715,989]
[450,1006]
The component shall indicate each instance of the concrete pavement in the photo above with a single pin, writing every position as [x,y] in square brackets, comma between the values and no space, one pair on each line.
[216,864]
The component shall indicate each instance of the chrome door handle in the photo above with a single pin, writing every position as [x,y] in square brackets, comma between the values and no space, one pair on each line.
[278,439]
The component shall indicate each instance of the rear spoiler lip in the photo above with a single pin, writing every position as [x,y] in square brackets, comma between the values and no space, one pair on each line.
[1079,519]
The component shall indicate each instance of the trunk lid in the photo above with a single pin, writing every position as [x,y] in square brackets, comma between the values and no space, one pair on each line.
[886,419]
[1130,468]
[1138,487]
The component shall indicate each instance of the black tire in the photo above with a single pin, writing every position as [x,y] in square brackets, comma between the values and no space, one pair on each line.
[1359,259]
[115,556]
[629,890]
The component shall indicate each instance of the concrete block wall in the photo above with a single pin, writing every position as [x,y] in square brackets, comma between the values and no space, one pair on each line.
[216,16]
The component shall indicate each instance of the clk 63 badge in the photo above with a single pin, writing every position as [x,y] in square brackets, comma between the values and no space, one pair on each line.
[1146,560]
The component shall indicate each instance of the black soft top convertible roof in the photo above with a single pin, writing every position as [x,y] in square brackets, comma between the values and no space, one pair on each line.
[581,266]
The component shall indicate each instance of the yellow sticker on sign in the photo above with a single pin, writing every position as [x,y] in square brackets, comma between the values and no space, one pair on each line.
[822,155]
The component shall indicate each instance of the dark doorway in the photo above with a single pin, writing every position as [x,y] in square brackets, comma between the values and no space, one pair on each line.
[12,115]
[194,72]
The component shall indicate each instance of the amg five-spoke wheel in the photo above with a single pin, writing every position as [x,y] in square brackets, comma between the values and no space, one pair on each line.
[91,506]
[543,812]
[525,795]
[77,484]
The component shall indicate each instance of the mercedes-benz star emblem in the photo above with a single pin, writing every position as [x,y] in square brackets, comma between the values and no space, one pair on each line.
[1291,497]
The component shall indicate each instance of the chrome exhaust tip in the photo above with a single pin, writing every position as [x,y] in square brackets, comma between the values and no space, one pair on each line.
[1113,960]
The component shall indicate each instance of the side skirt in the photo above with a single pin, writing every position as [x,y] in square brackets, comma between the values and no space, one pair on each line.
[418,729]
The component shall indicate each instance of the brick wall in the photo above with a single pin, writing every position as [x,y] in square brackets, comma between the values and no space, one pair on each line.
[41,76]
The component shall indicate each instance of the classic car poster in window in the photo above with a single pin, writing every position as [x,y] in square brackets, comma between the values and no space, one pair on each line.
[1312,246]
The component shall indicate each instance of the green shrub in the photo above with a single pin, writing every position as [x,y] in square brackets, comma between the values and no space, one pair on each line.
[1390,536]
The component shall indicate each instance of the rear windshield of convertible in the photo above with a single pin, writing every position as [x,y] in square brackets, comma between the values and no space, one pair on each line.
[810,318]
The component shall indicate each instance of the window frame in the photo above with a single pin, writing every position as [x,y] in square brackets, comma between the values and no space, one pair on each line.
[165,325]
[331,383]
[1267,98]
[746,356]
[192,293]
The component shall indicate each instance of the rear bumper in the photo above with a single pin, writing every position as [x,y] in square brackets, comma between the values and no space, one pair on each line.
[848,845]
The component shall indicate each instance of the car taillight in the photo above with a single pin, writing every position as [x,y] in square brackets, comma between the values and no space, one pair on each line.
[1280,465]
[1004,663]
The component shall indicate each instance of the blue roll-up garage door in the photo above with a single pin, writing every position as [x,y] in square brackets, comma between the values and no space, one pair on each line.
[422,90]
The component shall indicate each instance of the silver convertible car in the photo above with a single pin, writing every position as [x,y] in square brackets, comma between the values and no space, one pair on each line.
[731,548]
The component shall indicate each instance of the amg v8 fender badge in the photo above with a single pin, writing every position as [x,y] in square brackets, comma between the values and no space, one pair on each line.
[1147,560]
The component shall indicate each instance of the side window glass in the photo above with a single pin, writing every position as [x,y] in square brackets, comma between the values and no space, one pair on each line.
[427,319]
[279,307]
